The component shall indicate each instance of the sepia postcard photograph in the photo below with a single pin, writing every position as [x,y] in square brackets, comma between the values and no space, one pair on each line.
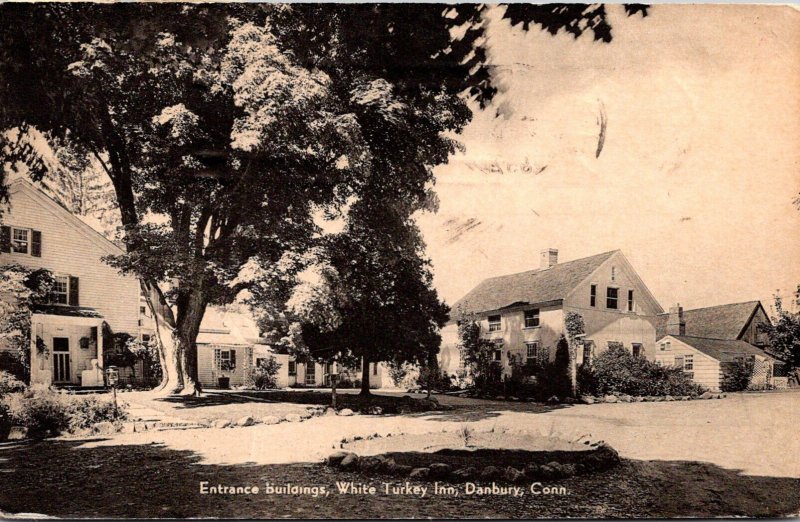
[399,260]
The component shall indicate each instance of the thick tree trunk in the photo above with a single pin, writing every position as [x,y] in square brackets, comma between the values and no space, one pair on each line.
[165,331]
[191,317]
[364,376]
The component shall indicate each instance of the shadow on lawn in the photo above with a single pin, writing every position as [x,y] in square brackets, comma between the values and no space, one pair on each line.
[69,479]
[487,410]
[388,403]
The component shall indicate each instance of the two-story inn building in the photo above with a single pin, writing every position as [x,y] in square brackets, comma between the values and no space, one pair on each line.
[523,314]
[67,340]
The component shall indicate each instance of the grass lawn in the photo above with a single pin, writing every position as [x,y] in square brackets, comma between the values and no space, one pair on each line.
[63,479]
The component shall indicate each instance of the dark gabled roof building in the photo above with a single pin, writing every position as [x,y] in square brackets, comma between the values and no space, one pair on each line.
[735,321]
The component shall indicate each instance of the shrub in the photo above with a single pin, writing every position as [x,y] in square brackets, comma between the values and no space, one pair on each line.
[438,380]
[84,412]
[616,371]
[47,413]
[264,375]
[10,384]
[736,375]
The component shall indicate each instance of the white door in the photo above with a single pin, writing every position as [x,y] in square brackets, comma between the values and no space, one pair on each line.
[61,360]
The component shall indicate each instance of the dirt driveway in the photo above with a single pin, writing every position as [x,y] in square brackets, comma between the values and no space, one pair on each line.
[751,433]
[735,456]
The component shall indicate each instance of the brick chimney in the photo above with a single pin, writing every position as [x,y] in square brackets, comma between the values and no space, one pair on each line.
[676,325]
[548,258]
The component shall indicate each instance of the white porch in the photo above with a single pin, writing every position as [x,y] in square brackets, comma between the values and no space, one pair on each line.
[67,348]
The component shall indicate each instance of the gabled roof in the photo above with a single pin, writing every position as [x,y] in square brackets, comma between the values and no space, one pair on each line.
[723,350]
[227,327]
[533,286]
[715,322]
[71,220]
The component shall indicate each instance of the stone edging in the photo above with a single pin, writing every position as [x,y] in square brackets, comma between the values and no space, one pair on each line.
[611,399]
[602,458]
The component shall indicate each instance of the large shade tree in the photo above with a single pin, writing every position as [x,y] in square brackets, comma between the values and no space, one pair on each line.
[375,302]
[225,129]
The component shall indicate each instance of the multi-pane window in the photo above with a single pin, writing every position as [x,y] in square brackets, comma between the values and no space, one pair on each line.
[292,367]
[532,351]
[531,318]
[225,360]
[60,292]
[612,298]
[688,362]
[494,323]
[20,240]
[593,295]
[630,300]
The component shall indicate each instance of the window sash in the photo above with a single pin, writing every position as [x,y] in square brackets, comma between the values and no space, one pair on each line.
[688,362]
[532,350]
[292,367]
[60,292]
[593,295]
[630,300]
[495,323]
[20,240]
[612,298]
[532,318]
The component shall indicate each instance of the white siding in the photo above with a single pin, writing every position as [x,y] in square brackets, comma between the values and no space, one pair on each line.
[209,375]
[604,324]
[69,250]
[707,370]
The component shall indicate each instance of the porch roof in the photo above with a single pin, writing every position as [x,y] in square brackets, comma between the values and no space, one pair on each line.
[67,311]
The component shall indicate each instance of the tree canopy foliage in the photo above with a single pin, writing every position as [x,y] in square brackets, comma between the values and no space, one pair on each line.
[226,130]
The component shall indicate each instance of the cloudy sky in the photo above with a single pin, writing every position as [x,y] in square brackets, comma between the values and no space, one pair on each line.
[697,175]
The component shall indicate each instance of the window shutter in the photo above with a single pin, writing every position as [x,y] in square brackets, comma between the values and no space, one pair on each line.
[36,243]
[5,239]
[73,291]
[679,361]
[233,360]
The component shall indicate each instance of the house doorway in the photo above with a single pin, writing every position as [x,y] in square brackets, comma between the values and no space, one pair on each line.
[311,374]
[61,360]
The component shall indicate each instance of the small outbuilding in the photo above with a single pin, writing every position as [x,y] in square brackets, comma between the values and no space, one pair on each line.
[707,361]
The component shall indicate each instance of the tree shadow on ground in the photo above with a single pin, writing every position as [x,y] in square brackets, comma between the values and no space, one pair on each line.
[388,403]
[69,479]
[478,411]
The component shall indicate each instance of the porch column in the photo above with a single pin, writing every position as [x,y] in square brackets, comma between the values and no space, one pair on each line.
[100,349]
